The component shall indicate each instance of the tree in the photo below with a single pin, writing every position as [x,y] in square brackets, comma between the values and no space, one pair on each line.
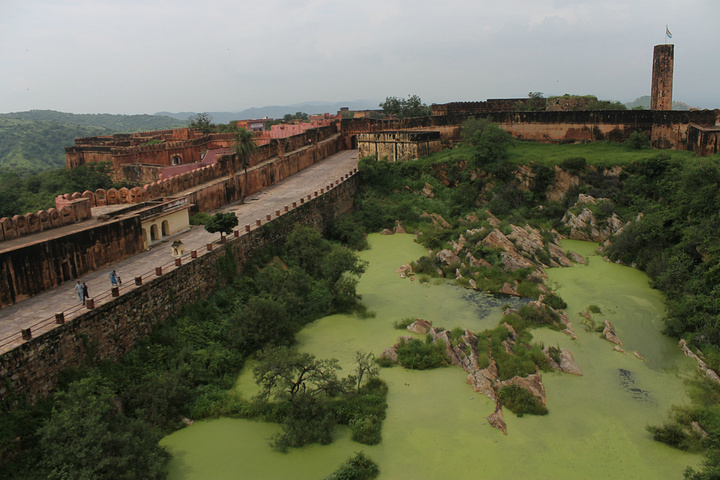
[201,121]
[88,438]
[284,373]
[402,108]
[222,222]
[472,129]
[365,369]
[244,147]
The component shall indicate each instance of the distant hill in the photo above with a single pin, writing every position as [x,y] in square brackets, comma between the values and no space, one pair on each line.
[279,111]
[35,140]
[644,102]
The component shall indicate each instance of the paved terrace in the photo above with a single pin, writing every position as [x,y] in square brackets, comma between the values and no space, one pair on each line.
[38,312]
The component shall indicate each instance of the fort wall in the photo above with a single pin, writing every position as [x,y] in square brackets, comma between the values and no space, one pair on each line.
[112,329]
[34,267]
[73,211]
[665,128]
[398,146]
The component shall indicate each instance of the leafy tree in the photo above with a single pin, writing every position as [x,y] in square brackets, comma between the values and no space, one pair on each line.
[244,147]
[492,145]
[402,108]
[201,121]
[365,369]
[472,129]
[222,222]
[285,373]
[88,438]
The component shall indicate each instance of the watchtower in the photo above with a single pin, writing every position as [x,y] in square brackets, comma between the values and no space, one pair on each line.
[662,77]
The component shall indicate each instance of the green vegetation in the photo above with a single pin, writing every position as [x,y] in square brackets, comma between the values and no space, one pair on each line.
[34,141]
[20,195]
[405,107]
[417,355]
[202,122]
[520,401]
[358,467]
[186,368]
[221,222]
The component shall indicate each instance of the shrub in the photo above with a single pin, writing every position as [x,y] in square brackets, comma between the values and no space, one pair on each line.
[554,300]
[574,165]
[201,218]
[637,141]
[403,324]
[418,355]
[358,467]
[520,401]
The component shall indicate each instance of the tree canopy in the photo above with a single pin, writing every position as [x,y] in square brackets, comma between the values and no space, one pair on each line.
[405,107]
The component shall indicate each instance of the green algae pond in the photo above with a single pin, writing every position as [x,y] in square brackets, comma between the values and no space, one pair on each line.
[436,425]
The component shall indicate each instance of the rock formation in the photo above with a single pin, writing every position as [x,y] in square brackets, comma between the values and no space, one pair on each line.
[585,226]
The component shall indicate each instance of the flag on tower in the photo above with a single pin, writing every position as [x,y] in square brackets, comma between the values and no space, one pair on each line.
[667,32]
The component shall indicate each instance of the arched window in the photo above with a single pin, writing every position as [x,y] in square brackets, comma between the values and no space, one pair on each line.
[176,160]
[165,228]
[153,233]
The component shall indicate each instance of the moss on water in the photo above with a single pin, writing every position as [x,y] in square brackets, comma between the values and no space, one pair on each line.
[436,425]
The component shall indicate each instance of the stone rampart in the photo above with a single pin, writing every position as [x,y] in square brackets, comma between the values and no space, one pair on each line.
[112,329]
[69,212]
[665,128]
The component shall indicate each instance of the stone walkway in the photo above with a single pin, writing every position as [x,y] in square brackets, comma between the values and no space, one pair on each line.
[38,312]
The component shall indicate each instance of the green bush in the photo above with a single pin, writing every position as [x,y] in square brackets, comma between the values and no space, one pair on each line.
[358,467]
[520,401]
[418,355]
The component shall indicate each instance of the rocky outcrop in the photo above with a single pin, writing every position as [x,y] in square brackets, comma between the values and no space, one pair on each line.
[447,257]
[531,383]
[567,362]
[609,334]
[585,226]
[702,366]
[485,381]
[562,184]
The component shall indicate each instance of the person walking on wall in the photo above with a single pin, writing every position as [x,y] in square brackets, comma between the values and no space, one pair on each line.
[79,291]
[85,292]
[114,278]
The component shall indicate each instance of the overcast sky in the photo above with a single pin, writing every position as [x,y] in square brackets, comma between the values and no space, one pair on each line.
[145,56]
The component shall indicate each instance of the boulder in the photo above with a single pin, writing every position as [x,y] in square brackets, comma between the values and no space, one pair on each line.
[447,257]
[609,334]
[508,289]
[420,326]
[399,227]
[497,420]
[405,270]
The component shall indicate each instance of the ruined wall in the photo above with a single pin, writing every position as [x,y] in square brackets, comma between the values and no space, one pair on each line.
[35,267]
[113,328]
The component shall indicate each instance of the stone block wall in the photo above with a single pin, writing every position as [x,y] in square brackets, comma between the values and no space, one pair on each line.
[112,329]
[398,146]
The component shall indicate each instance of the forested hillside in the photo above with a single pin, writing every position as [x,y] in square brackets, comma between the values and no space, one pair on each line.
[33,141]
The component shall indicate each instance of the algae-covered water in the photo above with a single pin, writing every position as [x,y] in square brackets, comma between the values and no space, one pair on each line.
[436,425]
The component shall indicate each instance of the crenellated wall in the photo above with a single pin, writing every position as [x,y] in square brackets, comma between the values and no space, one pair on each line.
[72,211]
[112,329]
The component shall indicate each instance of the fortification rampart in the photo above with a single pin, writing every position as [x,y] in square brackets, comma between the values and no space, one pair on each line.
[73,211]
[665,128]
[112,329]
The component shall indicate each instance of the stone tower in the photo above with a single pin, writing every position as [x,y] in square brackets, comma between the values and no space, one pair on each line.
[662,77]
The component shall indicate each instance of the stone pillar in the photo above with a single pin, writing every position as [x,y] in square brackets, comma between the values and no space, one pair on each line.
[662,77]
